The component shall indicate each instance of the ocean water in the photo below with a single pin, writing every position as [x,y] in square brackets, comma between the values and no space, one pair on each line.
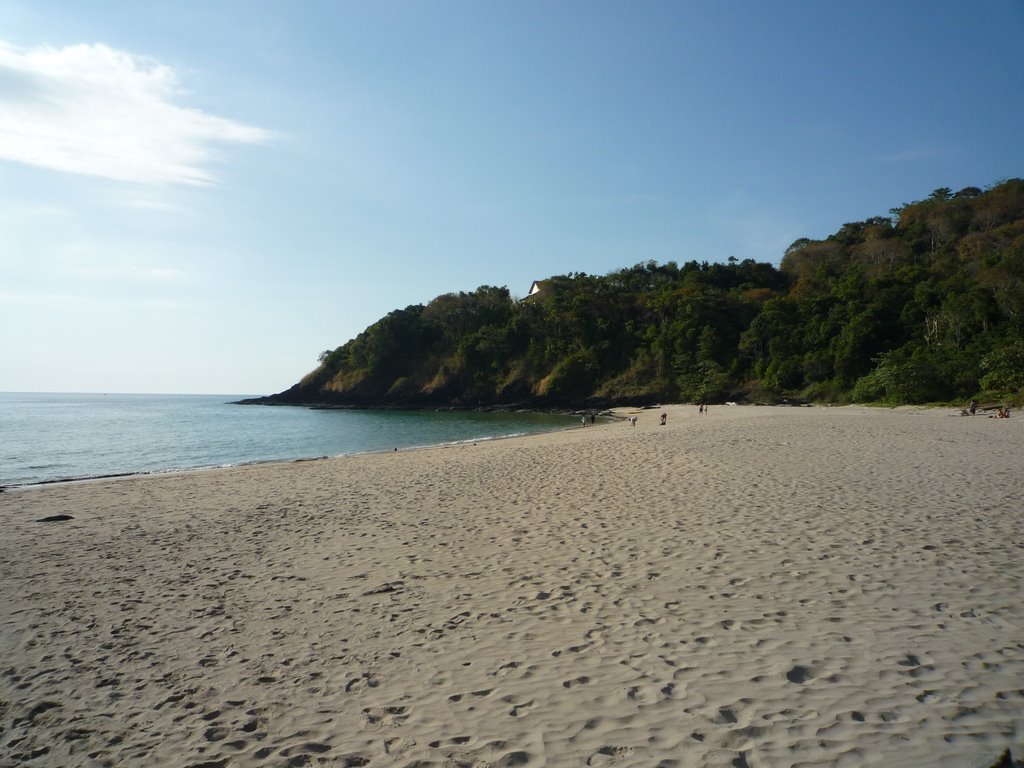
[53,437]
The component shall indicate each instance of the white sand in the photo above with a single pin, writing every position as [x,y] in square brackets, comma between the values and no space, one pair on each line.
[754,587]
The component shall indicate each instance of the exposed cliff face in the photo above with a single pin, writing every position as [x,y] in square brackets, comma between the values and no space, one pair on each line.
[310,394]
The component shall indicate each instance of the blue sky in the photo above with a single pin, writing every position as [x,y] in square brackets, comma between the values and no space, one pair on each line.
[203,196]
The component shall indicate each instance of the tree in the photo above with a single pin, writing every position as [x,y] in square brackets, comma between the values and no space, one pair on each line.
[1004,368]
[923,305]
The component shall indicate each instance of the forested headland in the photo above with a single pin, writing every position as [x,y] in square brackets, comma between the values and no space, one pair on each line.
[925,305]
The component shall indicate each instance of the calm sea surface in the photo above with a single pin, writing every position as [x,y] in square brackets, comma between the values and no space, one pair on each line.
[47,437]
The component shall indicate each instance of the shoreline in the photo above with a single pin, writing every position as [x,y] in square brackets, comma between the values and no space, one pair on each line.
[765,585]
[262,462]
[185,466]
[610,415]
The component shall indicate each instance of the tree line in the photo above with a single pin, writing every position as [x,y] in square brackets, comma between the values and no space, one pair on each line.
[924,305]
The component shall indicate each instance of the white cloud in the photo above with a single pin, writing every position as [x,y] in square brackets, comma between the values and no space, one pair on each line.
[67,302]
[145,204]
[92,110]
[162,274]
[122,271]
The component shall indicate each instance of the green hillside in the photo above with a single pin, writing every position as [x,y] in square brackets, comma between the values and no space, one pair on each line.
[925,305]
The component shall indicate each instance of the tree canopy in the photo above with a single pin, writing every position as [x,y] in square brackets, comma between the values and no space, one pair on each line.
[926,305]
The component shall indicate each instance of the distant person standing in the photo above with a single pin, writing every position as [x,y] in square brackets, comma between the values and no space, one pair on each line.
[974,407]
[664,418]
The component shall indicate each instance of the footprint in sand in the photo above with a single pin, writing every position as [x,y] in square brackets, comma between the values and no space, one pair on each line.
[609,755]
[455,741]
[398,746]
[725,716]
[216,733]
[518,709]
[800,674]
[505,669]
[571,649]
[581,680]
[457,697]
[643,694]
[365,680]
[378,717]
[300,753]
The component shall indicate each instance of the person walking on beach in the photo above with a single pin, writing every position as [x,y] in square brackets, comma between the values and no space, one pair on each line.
[664,418]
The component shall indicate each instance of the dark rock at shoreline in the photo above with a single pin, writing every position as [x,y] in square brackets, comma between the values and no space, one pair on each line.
[288,399]
[599,408]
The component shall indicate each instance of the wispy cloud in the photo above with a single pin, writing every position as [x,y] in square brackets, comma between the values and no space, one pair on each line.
[90,109]
[113,271]
[60,302]
[145,204]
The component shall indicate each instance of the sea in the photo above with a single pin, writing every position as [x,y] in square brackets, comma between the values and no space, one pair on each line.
[46,438]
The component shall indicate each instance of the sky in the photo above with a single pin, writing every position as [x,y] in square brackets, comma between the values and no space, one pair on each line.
[202,196]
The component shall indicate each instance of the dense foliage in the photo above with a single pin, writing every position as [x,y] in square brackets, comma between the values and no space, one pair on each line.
[926,305]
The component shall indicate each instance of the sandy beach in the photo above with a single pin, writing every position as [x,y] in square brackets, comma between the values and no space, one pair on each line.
[751,587]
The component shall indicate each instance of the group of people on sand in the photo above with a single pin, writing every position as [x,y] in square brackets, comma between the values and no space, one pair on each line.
[664,416]
[632,420]
[1002,412]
